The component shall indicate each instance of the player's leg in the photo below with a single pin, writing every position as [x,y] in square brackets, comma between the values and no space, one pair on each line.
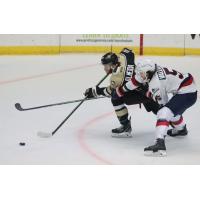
[151,106]
[130,98]
[179,127]
[178,104]
[163,117]
[135,97]
[125,130]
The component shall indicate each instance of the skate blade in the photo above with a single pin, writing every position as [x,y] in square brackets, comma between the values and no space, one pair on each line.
[160,153]
[44,134]
[121,135]
[177,135]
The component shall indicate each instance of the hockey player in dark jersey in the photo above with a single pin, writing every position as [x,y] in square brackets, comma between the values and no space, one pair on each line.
[122,69]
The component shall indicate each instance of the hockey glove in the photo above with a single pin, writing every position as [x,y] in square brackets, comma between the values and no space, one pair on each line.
[101,91]
[90,93]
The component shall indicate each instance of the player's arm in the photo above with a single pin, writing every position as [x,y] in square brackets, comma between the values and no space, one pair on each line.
[133,84]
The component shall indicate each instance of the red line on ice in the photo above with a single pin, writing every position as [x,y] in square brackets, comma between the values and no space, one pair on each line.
[85,146]
[43,75]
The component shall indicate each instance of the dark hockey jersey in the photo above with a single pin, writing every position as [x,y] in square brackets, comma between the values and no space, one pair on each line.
[123,73]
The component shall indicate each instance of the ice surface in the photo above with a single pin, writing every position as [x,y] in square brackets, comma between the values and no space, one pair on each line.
[85,137]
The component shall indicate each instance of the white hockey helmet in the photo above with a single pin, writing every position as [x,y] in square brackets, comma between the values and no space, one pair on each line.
[145,68]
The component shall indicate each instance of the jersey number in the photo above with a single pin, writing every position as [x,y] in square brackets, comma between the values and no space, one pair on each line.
[173,72]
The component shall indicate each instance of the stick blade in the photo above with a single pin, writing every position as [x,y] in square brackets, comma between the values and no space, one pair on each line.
[18,106]
[44,134]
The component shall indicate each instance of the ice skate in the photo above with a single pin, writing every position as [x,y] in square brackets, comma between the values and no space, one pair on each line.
[158,149]
[174,132]
[124,131]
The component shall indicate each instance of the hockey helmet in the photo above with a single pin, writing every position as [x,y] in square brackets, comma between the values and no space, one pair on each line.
[145,68]
[109,58]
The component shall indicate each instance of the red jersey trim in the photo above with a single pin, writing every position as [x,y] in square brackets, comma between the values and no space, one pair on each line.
[186,82]
[134,81]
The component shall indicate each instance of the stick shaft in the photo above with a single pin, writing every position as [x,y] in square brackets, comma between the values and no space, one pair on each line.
[68,116]
[18,106]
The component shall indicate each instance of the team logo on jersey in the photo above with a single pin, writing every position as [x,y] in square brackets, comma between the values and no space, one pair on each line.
[161,74]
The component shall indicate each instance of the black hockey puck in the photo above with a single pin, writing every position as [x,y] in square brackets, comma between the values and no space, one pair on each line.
[22,143]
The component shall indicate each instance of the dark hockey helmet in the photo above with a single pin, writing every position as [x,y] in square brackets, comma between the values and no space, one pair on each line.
[109,58]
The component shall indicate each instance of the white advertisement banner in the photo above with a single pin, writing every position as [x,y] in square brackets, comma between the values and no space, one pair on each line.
[100,40]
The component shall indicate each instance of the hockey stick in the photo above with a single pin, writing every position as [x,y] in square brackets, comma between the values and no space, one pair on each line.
[20,108]
[45,135]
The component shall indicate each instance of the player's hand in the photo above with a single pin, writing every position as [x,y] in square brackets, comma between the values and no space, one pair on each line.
[90,93]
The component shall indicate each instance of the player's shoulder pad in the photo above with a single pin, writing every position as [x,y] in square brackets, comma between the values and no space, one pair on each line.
[130,56]
[126,51]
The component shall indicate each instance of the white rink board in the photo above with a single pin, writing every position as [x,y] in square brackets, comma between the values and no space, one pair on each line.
[29,40]
[164,40]
[192,43]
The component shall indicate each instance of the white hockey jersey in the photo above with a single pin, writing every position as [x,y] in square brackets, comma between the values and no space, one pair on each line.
[168,81]
[164,82]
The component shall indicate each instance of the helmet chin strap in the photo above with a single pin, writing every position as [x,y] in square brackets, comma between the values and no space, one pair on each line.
[114,67]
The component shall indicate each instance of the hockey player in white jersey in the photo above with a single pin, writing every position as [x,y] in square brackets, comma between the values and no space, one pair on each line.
[162,82]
